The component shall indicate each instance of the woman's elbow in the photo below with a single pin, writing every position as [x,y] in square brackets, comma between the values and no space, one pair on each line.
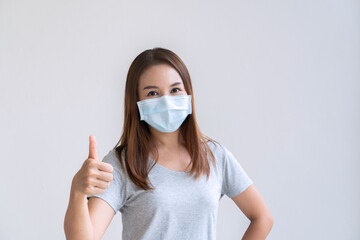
[266,220]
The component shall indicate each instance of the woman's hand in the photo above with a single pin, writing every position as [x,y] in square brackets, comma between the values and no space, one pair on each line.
[94,176]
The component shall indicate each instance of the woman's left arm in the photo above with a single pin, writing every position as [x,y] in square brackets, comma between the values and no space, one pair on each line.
[254,207]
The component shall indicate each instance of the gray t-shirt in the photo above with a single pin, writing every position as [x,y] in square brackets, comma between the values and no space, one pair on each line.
[180,207]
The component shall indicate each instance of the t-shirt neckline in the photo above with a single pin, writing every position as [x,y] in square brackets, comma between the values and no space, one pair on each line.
[159,166]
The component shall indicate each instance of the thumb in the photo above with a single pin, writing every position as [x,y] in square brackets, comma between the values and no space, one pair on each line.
[93,148]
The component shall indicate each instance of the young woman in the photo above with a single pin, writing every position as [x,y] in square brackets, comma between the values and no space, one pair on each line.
[164,176]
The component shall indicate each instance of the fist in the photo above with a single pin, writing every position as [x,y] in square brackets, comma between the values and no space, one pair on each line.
[94,176]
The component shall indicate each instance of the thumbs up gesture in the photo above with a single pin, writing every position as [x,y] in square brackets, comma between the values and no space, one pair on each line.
[94,176]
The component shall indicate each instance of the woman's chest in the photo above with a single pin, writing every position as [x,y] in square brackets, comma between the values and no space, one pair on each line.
[177,191]
[179,161]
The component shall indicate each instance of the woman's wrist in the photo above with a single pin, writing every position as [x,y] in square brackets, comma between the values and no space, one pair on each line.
[76,195]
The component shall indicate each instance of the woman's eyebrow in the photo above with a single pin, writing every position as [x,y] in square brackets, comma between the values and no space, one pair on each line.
[174,84]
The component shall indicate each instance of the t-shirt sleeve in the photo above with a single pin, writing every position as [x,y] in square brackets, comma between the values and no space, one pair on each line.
[235,179]
[115,194]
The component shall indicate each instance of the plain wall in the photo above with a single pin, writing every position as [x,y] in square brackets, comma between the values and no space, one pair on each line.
[277,82]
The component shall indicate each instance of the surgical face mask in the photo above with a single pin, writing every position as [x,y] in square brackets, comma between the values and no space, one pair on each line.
[165,113]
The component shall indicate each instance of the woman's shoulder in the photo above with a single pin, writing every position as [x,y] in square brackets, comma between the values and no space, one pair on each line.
[217,148]
[220,151]
[113,158]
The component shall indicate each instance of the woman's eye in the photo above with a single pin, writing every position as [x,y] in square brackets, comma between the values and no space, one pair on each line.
[149,94]
[177,89]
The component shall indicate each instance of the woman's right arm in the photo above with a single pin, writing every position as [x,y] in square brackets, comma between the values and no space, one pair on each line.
[89,219]
[77,224]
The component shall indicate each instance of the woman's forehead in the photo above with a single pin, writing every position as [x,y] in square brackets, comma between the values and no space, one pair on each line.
[161,74]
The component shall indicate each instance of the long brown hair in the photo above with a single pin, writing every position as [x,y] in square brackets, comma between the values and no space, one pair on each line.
[135,139]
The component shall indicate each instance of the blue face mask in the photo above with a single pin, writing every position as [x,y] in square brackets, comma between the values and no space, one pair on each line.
[165,113]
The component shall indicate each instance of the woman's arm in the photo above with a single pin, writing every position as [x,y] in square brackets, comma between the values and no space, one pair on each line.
[77,222]
[89,219]
[254,207]
[258,229]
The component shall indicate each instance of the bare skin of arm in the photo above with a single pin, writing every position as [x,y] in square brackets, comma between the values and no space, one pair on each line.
[89,219]
[77,223]
[255,209]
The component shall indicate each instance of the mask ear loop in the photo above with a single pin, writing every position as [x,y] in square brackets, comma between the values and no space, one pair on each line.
[189,104]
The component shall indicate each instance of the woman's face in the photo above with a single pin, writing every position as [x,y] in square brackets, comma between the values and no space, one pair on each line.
[160,80]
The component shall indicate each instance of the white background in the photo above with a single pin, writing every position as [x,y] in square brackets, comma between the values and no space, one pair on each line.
[277,82]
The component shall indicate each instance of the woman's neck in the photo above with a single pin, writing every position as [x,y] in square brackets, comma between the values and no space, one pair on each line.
[163,140]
